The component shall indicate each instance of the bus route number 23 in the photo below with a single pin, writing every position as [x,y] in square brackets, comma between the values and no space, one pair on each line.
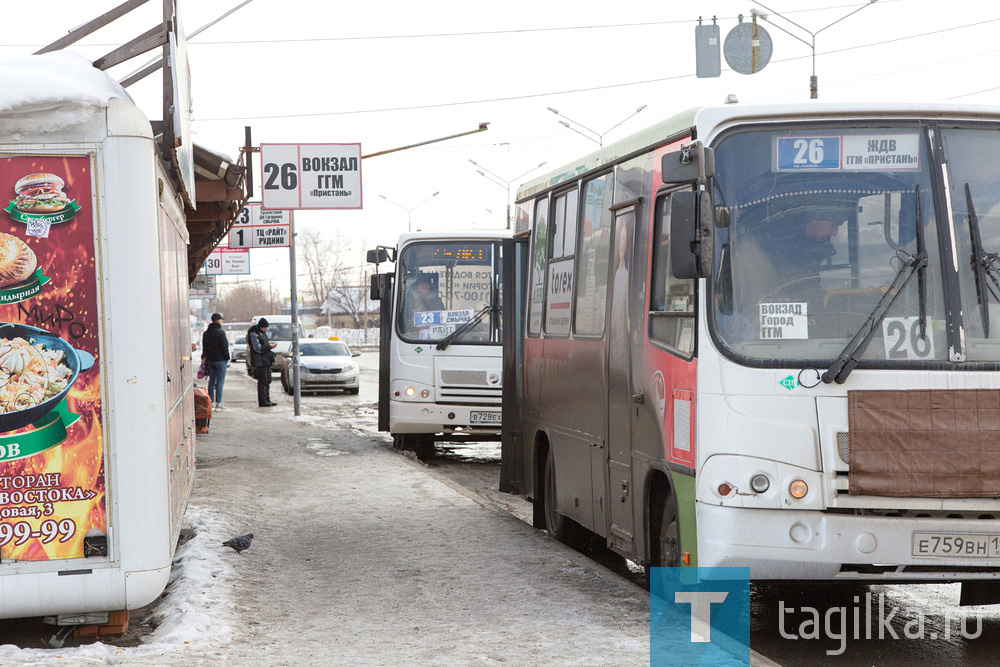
[903,340]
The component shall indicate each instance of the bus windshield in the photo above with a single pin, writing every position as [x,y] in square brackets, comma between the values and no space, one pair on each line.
[443,285]
[817,224]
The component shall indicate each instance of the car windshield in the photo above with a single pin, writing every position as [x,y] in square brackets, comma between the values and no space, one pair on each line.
[330,349]
[279,331]
[443,285]
[241,340]
[815,227]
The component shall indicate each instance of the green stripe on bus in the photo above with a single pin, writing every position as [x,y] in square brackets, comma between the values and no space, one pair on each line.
[684,494]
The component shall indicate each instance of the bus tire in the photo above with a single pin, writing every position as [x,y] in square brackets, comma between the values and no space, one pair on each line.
[665,542]
[557,525]
[420,444]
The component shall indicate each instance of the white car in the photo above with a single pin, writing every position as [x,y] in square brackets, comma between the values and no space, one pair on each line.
[324,365]
[238,348]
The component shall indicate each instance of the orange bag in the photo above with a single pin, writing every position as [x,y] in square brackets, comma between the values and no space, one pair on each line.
[202,410]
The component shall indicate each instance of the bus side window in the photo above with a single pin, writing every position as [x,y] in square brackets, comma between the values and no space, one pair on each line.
[559,287]
[671,307]
[592,260]
[536,284]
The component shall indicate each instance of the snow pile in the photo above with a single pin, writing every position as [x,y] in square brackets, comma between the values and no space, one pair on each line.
[62,81]
[197,605]
[196,609]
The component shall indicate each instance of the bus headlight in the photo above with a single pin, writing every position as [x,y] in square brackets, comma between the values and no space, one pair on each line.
[410,391]
[425,393]
[798,489]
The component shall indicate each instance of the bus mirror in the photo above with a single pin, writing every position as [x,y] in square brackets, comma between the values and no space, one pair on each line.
[693,163]
[374,292]
[692,229]
[378,256]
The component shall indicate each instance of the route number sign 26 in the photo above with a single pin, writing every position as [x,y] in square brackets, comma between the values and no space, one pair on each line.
[310,176]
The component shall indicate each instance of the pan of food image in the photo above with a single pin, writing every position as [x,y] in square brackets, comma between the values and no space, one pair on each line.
[37,370]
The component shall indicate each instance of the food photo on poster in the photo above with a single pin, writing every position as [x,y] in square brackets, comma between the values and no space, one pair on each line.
[52,460]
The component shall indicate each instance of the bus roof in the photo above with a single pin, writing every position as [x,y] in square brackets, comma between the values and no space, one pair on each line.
[709,119]
[446,235]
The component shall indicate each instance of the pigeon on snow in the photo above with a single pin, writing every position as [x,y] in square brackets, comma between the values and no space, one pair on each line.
[239,543]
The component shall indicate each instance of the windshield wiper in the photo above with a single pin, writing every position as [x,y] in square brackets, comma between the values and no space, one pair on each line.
[464,327]
[912,264]
[983,265]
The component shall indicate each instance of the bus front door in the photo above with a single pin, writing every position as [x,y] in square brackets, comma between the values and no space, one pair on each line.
[620,400]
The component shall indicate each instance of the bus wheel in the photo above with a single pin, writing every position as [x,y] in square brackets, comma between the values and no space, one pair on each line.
[558,526]
[670,537]
[420,444]
[665,542]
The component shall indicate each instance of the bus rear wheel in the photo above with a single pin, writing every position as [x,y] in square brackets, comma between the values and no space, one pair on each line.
[556,524]
[420,444]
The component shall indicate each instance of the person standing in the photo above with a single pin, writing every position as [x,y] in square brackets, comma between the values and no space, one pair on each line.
[262,358]
[215,352]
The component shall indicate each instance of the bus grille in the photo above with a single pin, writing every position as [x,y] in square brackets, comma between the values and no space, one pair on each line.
[844,446]
[470,396]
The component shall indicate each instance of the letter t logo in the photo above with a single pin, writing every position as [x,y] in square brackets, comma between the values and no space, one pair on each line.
[701,611]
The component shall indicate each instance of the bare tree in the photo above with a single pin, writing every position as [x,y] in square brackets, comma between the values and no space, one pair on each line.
[242,301]
[348,296]
[323,261]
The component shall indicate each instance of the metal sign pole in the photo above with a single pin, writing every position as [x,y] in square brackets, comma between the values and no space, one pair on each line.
[295,315]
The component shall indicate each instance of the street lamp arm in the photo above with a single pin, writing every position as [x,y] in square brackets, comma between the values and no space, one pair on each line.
[492,180]
[570,127]
[634,113]
[394,203]
[493,174]
[811,45]
[561,115]
[790,21]
[537,166]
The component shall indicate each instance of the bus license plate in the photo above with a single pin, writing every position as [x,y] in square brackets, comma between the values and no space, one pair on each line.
[484,417]
[956,545]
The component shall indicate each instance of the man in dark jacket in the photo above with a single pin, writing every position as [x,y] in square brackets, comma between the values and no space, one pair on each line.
[261,358]
[215,352]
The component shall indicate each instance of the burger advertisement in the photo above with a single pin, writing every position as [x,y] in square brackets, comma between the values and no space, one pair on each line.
[52,471]
[40,196]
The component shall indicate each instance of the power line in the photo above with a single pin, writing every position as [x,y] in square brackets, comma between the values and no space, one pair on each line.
[512,98]
[473,33]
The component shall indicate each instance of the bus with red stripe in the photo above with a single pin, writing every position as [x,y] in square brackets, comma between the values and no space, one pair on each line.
[766,336]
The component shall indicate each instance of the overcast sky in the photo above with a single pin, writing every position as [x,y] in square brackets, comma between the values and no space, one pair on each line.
[388,74]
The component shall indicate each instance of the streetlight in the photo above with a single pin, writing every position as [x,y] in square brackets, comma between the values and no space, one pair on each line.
[600,135]
[813,80]
[409,220]
[503,182]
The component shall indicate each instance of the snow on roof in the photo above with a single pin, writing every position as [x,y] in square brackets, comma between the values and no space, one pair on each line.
[60,80]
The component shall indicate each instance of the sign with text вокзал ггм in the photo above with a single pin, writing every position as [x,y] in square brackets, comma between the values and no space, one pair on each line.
[257,227]
[310,176]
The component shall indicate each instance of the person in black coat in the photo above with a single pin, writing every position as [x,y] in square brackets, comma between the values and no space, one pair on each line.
[215,352]
[261,358]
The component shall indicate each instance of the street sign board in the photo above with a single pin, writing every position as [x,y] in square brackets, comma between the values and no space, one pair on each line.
[228,262]
[203,286]
[310,176]
[257,227]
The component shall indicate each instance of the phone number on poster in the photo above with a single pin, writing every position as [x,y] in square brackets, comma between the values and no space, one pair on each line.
[49,530]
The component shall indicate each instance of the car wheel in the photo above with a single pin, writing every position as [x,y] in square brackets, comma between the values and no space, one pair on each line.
[353,391]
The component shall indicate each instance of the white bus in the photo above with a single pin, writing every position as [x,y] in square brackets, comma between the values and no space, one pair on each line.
[440,350]
[779,346]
